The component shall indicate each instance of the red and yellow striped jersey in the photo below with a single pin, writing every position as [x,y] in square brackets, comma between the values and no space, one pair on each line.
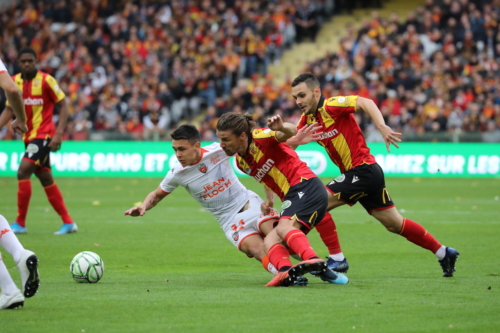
[342,137]
[40,95]
[273,163]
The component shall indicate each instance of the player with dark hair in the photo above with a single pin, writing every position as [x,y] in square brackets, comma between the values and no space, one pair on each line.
[207,175]
[264,155]
[27,262]
[41,94]
[362,178]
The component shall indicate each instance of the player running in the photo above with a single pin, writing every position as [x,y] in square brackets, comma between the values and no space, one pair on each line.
[206,173]
[41,93]
[264,155]
[27,262]
[362,178]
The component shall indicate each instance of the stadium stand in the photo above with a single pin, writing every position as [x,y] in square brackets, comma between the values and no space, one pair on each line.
[135,70]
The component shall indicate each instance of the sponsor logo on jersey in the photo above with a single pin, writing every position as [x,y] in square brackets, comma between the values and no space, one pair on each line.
[285,204]
[339,179]
[202,167]
[32,148]
[355,179]
[33,101]
[330,134]
[262,171]
[341,99]
[215,159]
[215,188]
[301,194]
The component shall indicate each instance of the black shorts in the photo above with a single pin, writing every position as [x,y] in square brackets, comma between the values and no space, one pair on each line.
[364,183]
[306,201]
[38,152]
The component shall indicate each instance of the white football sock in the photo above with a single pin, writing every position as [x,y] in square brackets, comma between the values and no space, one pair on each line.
[337,256]
[6,283]
[9,241]
[441,253]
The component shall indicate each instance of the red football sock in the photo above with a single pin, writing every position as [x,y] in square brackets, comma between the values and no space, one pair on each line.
[417,234]
[278,256]
[23,200]
[56,200]
[328,233]
[298,242]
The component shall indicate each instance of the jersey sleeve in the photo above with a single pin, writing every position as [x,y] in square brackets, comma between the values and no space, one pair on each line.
[170,182]
[341,105]
[2,67]
[54,91]
[265,136]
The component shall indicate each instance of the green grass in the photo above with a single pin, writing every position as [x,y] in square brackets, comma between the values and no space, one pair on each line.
[173,269]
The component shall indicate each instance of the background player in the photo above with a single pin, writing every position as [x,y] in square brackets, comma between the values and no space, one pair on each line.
[264,155]
[206,173]
[362,178]
[27,262]
[41,93]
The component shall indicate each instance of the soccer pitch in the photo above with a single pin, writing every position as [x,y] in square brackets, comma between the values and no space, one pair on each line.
[173,269]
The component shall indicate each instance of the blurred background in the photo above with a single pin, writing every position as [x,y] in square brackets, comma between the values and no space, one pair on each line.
[135,70]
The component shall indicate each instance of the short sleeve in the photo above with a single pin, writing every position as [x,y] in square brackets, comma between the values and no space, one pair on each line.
[55,92]
[170,182]
[341,105]
[2,67]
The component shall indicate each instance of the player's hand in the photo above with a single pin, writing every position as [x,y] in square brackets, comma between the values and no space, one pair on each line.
[55,142]
[389,137]
[311,132]
[19,127]
[135,211]
[266,207]
[275,123]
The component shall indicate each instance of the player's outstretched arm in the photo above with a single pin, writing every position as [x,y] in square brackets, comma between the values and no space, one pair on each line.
[267,205]
[16,101]
[56,141]
[284,131]
[151,200]
[371,108]
[306,134]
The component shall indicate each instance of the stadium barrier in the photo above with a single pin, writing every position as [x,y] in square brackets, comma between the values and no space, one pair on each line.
[153,159]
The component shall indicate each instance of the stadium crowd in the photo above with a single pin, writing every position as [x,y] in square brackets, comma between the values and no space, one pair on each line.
[437,71]
[136,69]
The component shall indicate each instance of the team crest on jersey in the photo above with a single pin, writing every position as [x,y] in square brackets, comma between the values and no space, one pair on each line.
[36,83]
[202,167]
[252,149]
[236,236]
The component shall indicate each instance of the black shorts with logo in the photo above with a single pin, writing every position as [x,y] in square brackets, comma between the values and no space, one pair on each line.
[364,183]
[38,152]
[306,201]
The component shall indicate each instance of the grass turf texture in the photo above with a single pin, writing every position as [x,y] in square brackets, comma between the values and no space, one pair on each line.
[173,269]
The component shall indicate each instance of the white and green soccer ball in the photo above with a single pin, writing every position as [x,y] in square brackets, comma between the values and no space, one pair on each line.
[87,267]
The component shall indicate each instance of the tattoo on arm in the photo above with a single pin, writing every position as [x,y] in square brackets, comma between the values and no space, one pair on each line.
[153,201]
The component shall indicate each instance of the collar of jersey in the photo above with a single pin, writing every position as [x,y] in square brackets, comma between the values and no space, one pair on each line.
[321,102]
[203,151]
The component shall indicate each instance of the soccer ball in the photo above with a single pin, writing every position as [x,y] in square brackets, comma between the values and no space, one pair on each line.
[87,267]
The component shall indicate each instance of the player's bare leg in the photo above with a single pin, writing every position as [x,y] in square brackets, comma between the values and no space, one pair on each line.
[56,200]
[416,233]
[334,202]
